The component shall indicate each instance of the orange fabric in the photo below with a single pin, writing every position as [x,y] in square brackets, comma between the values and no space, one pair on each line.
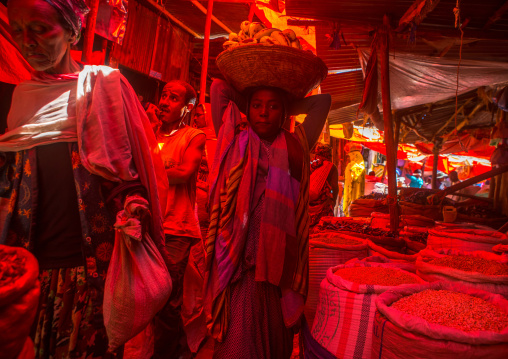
[180,218]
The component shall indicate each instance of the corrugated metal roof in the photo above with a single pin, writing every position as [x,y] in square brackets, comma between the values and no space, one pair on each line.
[357,22]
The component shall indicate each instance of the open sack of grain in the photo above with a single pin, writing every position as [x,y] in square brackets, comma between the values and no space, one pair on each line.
[408,266]
[482,270]
[366,205]
[465,239]
[440,320]
[345,314]
[327,251]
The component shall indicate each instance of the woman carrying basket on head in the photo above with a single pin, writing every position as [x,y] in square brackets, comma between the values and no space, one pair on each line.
[257,245]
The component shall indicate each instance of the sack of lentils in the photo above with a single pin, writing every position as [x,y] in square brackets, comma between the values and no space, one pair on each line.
[465,239]
[440,320]
[482,270]
[19,296]
[345,313]
[326,252]
[400,264]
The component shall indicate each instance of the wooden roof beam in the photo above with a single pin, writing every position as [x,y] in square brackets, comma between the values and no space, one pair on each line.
[416,13]
[497,15]
[169,16]
[214,19]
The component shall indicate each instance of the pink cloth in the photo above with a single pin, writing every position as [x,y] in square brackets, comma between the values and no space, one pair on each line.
[104,116]
[113,135]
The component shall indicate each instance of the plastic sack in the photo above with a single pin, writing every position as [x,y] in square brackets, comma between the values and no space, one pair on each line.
[345,314]
[497,284]
[466,239]
[138,283]
[323,256]
[19,298]
[400,335]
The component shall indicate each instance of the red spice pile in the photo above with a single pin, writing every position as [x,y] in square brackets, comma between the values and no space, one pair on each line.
[455,310]
[472,264]
[12,266]
[337,240]
[376,276]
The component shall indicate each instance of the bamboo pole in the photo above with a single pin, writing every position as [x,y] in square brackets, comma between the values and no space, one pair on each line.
[91,19]
[391,150]
[206,51]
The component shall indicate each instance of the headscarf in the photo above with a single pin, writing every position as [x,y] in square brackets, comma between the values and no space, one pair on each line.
[324,151]
[73,12]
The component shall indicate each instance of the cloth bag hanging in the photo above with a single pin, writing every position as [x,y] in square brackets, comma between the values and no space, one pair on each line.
[138,283]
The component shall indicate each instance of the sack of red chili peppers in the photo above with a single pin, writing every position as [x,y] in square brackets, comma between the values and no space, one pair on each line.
[465,239]
[327,251]
[345,313]
[482,270]
[19,297]
[440,320]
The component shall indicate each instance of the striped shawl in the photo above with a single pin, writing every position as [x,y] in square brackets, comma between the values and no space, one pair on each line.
[282,257]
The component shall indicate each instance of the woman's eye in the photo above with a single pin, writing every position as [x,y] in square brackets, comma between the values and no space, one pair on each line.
[38,29]
[256,106]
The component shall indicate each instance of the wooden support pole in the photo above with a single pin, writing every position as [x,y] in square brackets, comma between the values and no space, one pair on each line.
[391,150]
[435,152]
[156,41]
[252,8]
[91,19]
[206,51]
[498,15]
[398,120]
[416,13]
[497,171]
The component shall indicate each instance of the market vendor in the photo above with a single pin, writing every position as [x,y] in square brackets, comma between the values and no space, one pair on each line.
[324,184]
[354,184]
[78,149]
[257,251]
[416,179]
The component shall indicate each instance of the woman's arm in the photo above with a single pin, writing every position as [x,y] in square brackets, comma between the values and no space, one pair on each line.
[221,93]
[316,107]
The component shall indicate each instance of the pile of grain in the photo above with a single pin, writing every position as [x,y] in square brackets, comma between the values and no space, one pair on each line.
[455,310]
[376,276]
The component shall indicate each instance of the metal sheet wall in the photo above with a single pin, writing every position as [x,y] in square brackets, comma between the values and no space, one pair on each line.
[140,52]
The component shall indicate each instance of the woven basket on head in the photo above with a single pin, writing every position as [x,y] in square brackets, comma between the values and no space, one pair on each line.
[291,69]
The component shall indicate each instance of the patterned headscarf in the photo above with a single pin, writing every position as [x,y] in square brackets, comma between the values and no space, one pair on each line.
[323,150]
[73,12]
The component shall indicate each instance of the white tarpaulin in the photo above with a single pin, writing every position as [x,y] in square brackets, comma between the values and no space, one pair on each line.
[417,80]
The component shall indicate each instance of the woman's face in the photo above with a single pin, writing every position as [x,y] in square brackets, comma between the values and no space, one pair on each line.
[36,28]
[266,112]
